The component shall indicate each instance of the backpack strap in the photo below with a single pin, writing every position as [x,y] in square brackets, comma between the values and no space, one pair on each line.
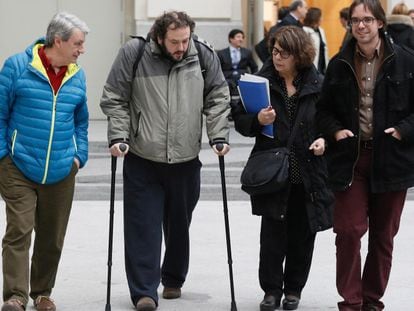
[198,42]
[139,54]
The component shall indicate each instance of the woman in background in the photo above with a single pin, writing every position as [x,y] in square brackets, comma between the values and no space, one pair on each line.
[400,26]
[311,26]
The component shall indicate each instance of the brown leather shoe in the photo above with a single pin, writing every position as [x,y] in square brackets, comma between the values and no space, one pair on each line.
[44,303]
[171,293]
[146,304]
[13,305]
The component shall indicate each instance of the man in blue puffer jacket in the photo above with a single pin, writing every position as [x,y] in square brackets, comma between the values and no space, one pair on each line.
[43,143]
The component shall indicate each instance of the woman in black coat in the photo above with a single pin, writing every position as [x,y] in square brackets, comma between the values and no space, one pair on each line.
[400,26]
[290,218]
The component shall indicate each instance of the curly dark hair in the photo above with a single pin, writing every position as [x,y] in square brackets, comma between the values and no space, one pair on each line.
[297,42]
[176,19]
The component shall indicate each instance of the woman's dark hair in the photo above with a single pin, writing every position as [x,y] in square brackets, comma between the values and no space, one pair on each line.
[373,5]
[313,17]
[172,20]
[297,42]
[344,13]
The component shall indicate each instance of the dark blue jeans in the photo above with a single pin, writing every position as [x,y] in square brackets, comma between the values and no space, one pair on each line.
[157,196]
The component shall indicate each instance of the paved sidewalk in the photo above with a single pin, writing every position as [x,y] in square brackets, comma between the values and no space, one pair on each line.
[81,281]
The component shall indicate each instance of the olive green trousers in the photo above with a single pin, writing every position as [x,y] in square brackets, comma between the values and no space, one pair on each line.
[44,209]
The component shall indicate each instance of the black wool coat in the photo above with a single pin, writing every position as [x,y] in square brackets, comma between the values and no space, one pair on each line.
[319,199]
[392,165]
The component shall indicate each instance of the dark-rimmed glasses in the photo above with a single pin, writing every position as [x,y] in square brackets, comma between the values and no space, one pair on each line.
[368,20]
[283,54]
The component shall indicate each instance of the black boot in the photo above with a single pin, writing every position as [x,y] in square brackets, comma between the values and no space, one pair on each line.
[269,303]
[290,302]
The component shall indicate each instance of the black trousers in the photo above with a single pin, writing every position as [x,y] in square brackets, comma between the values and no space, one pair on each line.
[289,242]
[157,197]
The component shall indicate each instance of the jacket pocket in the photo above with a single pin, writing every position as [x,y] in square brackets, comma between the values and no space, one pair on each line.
[75,144]
[342,150]
[341,92]
[135,125]
[13,141]
[398,89]
[395,159]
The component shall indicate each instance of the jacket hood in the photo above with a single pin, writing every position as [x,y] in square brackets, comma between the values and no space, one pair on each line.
[29,49]
[399,19]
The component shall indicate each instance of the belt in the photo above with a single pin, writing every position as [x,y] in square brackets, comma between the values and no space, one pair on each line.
[367,144]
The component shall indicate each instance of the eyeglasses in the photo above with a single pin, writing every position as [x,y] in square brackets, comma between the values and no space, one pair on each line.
[283,54]
[368,20]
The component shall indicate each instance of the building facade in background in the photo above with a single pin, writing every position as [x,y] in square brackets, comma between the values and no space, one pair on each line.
[112,21]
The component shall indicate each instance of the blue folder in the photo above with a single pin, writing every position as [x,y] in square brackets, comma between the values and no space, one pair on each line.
[255,96]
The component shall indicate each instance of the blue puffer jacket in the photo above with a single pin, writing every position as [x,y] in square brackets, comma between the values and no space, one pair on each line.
[42,131]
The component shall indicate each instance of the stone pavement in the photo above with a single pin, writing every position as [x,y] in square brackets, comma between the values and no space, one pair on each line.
[81,281]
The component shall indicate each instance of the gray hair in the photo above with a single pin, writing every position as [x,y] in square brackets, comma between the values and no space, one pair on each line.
[295,4]
[62,26]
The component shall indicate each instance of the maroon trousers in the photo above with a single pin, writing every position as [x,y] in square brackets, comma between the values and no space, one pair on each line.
[356,210]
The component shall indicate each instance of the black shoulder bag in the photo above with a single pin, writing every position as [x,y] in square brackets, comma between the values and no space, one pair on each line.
[267,171]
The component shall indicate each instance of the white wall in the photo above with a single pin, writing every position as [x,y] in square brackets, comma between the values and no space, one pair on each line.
[23,21]
[214,18]
[391,3]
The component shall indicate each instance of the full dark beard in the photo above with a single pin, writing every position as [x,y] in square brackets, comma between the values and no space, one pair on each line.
[168,55]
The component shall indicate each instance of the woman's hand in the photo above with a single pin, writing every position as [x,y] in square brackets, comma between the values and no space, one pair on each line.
[318,147]
[266,116]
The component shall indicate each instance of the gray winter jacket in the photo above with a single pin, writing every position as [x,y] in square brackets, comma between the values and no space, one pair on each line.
[159,109]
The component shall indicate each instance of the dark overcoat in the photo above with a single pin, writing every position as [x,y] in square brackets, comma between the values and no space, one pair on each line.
[392,166]
[319,199]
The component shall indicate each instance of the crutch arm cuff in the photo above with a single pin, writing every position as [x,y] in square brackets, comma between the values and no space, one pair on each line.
[118,140]
[218,141]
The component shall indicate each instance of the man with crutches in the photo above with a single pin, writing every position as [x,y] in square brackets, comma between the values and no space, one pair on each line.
[155,106]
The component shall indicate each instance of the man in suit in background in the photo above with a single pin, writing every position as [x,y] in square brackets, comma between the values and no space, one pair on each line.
[297,11]
[236,60]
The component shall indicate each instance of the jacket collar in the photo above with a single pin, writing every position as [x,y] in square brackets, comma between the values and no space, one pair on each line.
[348,51]
[36,62]
[311,79]
[399,19]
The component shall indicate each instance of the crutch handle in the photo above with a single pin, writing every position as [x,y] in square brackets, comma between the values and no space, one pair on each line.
[122,147]
[219,147]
